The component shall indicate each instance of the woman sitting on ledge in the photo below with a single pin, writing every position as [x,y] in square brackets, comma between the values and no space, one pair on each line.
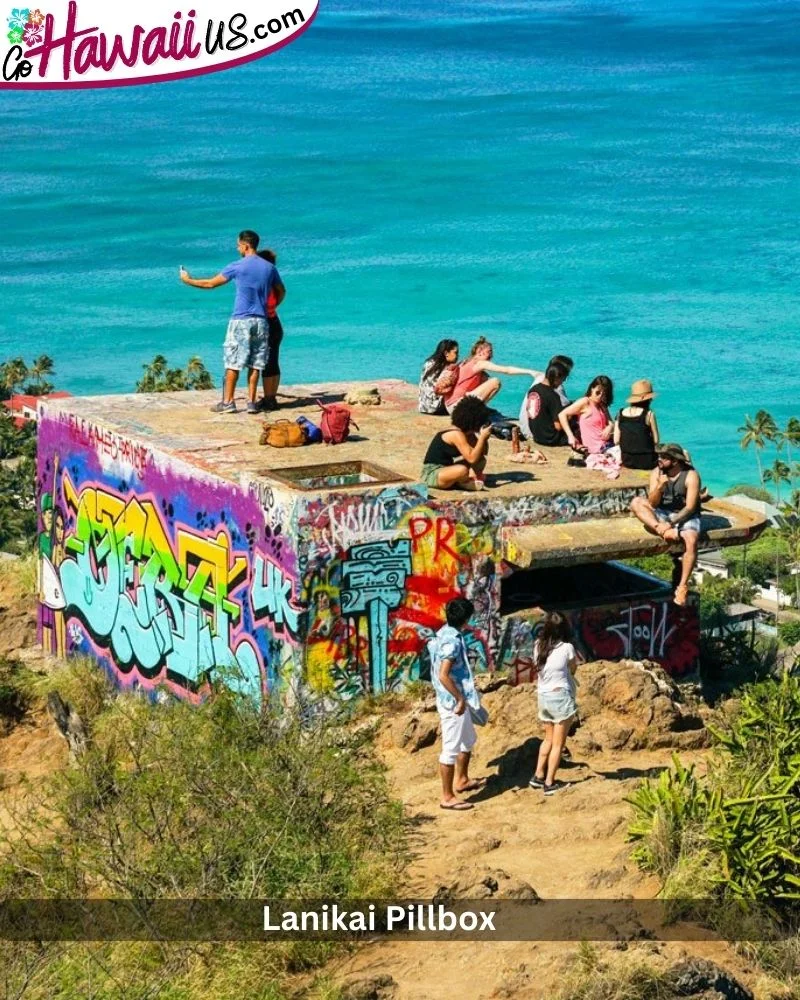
[594,421]
[457,456]
[473,379]
[439,375]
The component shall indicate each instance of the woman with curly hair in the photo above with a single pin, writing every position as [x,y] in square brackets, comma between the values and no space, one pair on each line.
[457,455]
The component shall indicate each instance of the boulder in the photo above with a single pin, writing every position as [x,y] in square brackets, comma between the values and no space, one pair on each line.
[485,883]
[381,987]
[416,730]
[633,705]
[697,977]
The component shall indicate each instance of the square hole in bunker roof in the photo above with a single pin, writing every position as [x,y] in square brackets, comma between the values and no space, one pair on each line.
[334,475]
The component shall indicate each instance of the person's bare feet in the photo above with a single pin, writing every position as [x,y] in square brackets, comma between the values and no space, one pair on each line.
[667,532]
[470,786]
[681,595]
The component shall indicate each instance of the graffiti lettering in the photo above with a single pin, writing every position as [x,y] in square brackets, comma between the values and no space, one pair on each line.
[272,597]
[106,442]
[643,633]
[443,530]
[263,493]
[167,610]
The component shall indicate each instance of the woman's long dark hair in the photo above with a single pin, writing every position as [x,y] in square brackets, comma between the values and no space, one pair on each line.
[438,360]
[607,386]
[555,629]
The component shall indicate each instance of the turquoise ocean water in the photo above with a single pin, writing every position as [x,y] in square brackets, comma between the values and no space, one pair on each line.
[616,181]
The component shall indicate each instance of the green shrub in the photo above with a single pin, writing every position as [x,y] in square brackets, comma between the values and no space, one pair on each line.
[660,566]
[754,492]
[665,809]
[789,632]
[219,801]
[746,814]
[15,698]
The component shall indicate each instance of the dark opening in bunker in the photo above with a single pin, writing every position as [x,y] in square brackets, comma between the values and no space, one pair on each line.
[585,585]
[334,475]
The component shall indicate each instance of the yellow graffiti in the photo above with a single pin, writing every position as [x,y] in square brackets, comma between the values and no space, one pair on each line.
[134,531]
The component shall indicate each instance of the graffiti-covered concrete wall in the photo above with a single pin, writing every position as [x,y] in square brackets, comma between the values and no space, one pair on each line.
[173,576]
[645,629]
[170,578]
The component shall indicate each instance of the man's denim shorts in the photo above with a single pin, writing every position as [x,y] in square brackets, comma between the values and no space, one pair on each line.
[693,524]
[246,344]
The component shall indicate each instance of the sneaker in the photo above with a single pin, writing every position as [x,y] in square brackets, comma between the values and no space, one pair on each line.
[565,754]
[557,786]
[536,782]
[269,403]
[252,407]
[221,407]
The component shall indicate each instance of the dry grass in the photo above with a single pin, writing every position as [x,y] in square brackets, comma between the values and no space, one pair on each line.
[19,576]
[592,976]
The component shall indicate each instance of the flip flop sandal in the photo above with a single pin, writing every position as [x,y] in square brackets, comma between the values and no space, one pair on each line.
[457,806]
[472,786]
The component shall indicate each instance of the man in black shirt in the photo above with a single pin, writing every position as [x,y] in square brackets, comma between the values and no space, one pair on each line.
[544,405]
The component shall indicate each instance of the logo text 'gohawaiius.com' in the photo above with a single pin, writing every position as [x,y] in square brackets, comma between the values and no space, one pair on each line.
[96,44]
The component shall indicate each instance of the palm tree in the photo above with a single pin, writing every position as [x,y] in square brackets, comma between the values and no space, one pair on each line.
[154,375]
[789,531]
[777,473]
[39,385]
[197,375]
[174,379]
[12,374]
[790,436]
[757,432]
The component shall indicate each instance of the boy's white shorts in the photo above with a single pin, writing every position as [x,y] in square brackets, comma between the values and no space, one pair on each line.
[458,735]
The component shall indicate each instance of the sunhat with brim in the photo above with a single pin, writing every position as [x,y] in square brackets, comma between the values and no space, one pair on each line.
[641,390]
[674,451]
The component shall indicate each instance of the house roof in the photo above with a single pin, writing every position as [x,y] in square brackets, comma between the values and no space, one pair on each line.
[768,510]
[742,612]
[711,557]
[22,400]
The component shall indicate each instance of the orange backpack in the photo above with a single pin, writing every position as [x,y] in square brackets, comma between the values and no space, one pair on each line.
[283,434]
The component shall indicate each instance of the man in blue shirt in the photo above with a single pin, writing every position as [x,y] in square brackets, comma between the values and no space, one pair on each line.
[246,339]
[456,695]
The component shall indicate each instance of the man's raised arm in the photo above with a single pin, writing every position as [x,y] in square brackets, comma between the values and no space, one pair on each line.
[214,282]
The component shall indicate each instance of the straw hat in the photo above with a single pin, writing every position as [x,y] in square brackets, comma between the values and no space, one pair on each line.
[641,390]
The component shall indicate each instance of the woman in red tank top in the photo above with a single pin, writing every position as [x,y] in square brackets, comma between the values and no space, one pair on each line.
[473,379]
[272,373]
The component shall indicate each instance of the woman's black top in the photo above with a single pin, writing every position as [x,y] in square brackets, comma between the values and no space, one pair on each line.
[636,441]
[441,453]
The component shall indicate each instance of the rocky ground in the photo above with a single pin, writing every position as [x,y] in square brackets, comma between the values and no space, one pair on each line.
[517,843]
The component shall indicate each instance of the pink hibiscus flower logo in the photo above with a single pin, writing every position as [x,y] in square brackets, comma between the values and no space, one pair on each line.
[33,34]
